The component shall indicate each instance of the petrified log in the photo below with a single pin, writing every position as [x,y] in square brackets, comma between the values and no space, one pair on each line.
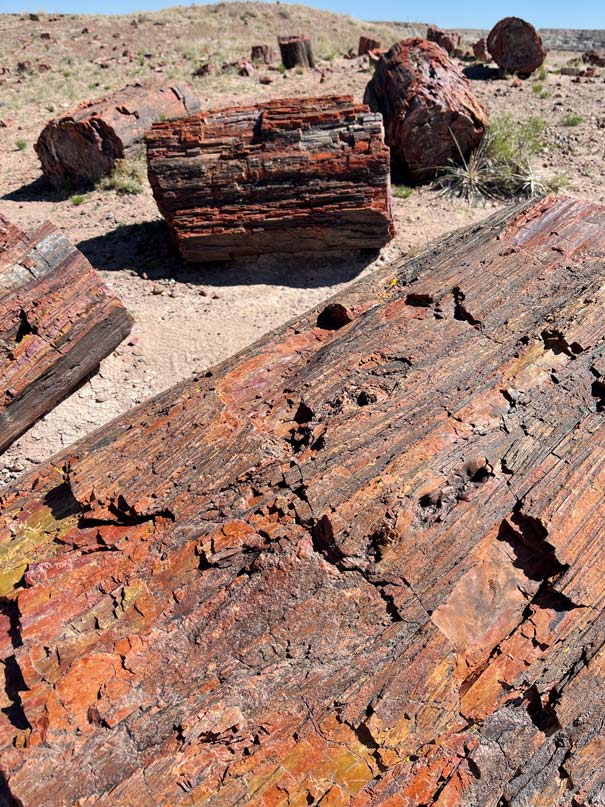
[81,146]
[480,50]
[431,115]
[359,564]
[594,57]
[516,46]
[366,44]
[448,40]
[296,51]
[57,321]
[292,175]
[263,54]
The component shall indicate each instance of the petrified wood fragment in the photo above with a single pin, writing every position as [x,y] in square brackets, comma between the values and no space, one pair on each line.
[480,50]
[516,46]
[57,321]
[84,144]
[262,54]
[359,564]
[366,44]
[296,51]
[431,115]
[292,175]
[448,40]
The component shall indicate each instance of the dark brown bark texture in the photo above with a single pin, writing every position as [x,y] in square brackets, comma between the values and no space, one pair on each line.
[516,46]
[366,44]
[296,51]
[83,145]
[57,321]
[431,115]
[359,564]
[292,175]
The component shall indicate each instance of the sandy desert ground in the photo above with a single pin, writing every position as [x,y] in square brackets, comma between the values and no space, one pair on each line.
[189,318]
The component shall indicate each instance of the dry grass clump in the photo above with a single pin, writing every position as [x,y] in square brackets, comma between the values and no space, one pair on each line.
[127,178]
[501,167]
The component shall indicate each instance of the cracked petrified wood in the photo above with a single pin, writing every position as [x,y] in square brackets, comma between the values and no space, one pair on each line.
[296,51]
[431,115]
[57,321]
[292,175]
[85,144]
[359,564]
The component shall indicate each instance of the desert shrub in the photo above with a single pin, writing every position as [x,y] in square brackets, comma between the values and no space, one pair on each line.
[542,73]
[21,144]
[128,177]
[401,191]
[501,167]
[537,87]
[572,119]
[77,199]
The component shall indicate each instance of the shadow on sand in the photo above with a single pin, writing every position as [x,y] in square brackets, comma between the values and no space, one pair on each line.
[147,250]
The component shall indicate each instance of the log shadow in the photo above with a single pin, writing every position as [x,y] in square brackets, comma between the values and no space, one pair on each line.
[147,250]
[39,190]
[481,72]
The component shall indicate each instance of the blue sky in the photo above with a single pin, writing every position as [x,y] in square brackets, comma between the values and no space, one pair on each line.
[468,14]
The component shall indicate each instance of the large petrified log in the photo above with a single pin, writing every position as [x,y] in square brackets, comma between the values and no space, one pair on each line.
[292,175]
[84,144]
[516,46]
[296,51]
[431,115]
[57,321]
[361,563]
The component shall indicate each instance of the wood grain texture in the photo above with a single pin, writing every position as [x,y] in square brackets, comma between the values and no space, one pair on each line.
[84,144]
[359,564]
[431,115]
[57,321]
[287,176]
[516,46]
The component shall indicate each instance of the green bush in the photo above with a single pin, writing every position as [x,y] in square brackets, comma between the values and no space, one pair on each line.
[127,178]
[77,200]
[501,167]
[401,191]
[21,144]
[572,119]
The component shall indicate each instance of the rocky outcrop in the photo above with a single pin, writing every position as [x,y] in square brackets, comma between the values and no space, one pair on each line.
[431,115]
[83,145]
[287,176]
[358,564]
[448,40]
[515,46]
[57,321]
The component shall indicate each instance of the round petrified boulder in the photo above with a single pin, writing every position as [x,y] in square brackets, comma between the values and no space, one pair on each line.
[515,46]
[430,113]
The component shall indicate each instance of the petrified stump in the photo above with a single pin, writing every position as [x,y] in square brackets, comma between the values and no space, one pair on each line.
[431,115]
[287,176]
[57,321]
[480,50]
[81,146]
[359,564]
[263,54]
[516,46]
[367,44]
[594,57]
[448,40]
[296,51]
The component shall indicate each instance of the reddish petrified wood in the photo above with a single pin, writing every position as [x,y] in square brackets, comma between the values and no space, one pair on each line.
[480,50]
[57,321]
[262,54]
[431,115]
[366,44]
[594,57]
[296,51]
[360,564]
[516,46]
[448,40]
[293,175]
[81,146]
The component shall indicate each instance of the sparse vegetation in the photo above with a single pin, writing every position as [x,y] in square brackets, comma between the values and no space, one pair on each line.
[77,199]
[572,119]
[501,167]
[128,177]
[401,191]
[21,144]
